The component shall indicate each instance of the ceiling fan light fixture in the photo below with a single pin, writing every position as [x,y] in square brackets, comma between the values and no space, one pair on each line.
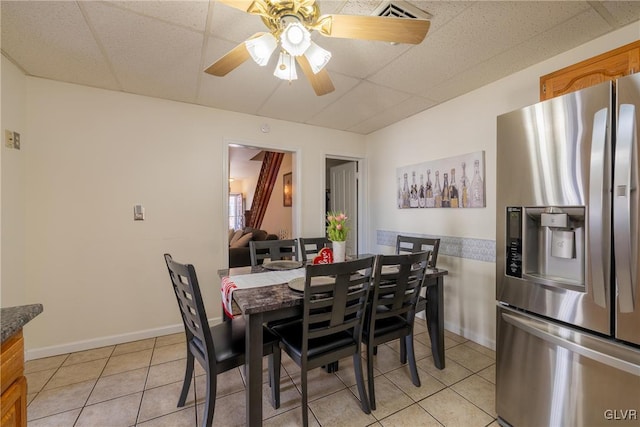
[295,39]
[286,67]
[318,57]
[261,48]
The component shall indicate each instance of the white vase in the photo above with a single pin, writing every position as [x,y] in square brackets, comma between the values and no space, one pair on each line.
[339,249]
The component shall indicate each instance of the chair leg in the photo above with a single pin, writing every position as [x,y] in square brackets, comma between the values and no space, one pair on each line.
[364,400]
[403,351]
[415,378]
[372,393]
[303,384]
[210,400]
[188,374]
[274,376]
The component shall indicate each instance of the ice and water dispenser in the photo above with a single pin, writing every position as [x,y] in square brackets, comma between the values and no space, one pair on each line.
[546,245]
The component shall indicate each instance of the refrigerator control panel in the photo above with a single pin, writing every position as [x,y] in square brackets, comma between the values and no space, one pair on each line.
[514,241]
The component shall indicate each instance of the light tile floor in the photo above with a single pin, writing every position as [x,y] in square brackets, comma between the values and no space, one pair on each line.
[138,384]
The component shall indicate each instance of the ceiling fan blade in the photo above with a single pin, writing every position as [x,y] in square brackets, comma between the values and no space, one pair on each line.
[250,6]
[321,82]
[398,30]
[230,61]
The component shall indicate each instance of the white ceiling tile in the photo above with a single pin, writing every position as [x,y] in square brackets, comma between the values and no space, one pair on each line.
[360,103]
[392,115]
[474,36]
[299,103]
[226,19]
[359,7]
[52,40]
[191,14]
[359,58]
[149,57]
[624,12]
[576,31]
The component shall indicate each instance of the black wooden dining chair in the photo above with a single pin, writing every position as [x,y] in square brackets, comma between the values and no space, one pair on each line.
[312,246]
[275,250]
[410,244]
[391,311]
[219,348]
[335,298]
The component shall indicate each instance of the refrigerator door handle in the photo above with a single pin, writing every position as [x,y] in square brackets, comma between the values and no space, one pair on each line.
[563,337]
[598,205]
[625,209]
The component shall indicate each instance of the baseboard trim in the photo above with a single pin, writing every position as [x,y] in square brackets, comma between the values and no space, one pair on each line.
[72,347]
[456,329]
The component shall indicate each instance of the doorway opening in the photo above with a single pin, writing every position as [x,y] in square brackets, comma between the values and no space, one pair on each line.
[342,195]
[260,194]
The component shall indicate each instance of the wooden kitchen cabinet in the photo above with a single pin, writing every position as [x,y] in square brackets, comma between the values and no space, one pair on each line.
[14,383]
[610,65]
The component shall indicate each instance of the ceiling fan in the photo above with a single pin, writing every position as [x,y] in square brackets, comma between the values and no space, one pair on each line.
[290,24]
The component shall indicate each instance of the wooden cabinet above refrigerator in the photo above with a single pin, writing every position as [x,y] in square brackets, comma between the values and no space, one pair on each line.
[610,65]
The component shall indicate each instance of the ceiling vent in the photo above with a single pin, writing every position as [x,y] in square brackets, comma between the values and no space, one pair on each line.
[401,9]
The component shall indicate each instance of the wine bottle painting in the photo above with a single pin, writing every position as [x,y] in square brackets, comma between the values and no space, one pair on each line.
[459,183]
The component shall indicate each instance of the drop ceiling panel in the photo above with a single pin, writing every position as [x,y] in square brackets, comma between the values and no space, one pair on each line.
[363,101]
[472,37]
[299,103]
[532,51]
[232,24]
[149,56]
[360,58]
[52,40]
[189,14]
[406,108]
[624,12]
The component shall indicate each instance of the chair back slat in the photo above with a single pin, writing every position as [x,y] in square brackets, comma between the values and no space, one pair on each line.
[396,293]
[194,316]
[409,244]
[311,246]
[275,250]
[339,306]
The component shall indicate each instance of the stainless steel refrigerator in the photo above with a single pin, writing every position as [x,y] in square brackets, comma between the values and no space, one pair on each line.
[567,269]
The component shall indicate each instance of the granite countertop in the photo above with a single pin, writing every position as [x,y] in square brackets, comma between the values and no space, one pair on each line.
[12,319]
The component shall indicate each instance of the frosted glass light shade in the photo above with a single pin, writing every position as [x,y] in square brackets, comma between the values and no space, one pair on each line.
[261,48]
[295,39]
[286,68]
[317,57]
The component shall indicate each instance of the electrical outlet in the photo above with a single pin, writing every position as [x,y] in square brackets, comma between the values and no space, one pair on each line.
[8,138]
[16,140]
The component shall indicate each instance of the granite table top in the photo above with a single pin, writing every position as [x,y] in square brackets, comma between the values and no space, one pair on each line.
[275,297]
[12,319]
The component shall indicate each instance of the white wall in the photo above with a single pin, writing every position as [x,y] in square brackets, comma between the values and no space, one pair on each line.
[465,124]
[13,188]
[89,157]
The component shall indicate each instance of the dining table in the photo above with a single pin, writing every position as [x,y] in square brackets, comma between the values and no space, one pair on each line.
[270,302]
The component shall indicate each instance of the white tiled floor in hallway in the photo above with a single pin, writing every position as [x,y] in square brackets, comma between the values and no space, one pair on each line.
[138,384]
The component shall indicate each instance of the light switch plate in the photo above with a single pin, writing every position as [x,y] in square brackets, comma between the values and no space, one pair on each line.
[138,213]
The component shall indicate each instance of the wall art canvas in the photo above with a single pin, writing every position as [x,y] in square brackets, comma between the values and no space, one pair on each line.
[453,182]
